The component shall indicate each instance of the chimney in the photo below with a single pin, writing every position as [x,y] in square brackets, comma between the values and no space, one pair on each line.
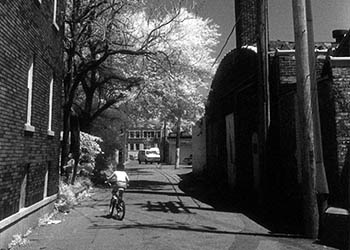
[246,18]
[339,35]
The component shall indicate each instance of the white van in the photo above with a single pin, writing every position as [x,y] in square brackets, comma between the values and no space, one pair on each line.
[149,155]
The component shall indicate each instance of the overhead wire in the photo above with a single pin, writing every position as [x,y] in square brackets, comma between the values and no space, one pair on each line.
[227,39]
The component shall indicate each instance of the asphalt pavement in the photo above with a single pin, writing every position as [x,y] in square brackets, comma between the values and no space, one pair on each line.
[165,209]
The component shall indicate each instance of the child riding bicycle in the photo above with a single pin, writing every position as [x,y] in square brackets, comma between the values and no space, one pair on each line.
[120,180]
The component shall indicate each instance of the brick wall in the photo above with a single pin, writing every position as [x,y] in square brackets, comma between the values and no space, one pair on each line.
[27,31]
[341,91]
[233,91]
[246,18]
[282,173]
[334,93]
[341,96]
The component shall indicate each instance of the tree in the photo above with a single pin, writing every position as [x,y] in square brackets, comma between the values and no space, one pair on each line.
[106,57]
[178,93]
[115,49]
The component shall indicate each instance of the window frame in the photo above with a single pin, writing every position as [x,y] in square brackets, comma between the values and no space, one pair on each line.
[30,76]
[54,17]
[50,132]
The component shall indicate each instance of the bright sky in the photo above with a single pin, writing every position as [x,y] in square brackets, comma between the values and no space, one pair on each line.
[328,15]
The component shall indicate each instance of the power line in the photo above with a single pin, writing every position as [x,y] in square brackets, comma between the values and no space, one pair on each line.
[227,39]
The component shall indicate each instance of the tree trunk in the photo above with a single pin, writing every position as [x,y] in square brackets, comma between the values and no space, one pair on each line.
[75,142]
[68,82]
[164,143]
[65,138]
[178,142]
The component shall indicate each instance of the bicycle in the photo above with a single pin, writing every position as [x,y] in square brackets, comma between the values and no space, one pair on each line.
[117,203]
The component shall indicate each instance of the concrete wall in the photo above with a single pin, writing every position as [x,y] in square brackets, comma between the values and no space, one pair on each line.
[185,150]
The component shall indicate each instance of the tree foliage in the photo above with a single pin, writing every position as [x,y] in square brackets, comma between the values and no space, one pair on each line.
[119,51]
[180,89]
[89,147]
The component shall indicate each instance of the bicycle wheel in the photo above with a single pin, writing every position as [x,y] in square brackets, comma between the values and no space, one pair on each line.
[112,206]
[120,210]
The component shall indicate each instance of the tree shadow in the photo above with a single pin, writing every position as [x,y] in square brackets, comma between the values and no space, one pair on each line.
[146,185]
[175,207]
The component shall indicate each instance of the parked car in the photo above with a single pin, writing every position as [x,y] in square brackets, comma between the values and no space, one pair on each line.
[188,160]
[148,155]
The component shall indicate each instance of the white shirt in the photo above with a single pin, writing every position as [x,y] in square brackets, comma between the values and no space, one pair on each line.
[120,177]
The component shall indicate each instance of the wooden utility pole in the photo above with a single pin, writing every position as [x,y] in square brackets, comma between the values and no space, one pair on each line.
[263,88]
[306,126]
[321,179]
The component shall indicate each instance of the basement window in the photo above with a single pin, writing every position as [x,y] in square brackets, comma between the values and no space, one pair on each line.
[23,191]
[46,179]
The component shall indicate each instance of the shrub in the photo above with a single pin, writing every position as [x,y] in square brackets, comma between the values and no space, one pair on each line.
[89,150]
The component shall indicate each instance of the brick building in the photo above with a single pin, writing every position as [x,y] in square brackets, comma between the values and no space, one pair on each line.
[233,119]
[143,138]
[31,64]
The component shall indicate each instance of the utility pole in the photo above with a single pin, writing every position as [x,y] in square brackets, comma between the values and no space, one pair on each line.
[321,179]
[306,126]
[263,88]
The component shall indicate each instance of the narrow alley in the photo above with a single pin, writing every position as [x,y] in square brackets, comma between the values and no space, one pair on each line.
[159,215]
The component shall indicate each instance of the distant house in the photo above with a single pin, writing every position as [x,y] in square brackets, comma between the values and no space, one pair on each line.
[31,63]
[143,138]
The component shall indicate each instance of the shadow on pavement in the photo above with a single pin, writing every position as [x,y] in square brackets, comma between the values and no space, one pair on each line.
[154,192]
[148,185]
[175,207]
[185,227]
[222,200]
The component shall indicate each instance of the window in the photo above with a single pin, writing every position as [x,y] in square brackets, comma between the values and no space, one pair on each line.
[137,146]
[49,129]
[54,21]
[28,126]
[131,134]
[23,191]
[138,134]
[46,179]
[148,134]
